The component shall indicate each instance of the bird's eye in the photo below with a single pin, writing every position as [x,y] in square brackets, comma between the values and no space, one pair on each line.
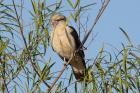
[59,19]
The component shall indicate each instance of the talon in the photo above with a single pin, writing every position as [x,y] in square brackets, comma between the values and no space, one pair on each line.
[65,63]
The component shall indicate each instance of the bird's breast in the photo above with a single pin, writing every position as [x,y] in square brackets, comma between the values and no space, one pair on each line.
[63,43]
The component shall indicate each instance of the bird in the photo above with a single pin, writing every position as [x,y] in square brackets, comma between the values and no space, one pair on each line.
[66,43]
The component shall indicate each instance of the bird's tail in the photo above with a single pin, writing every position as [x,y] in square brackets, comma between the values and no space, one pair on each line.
[79,75]
[82,75]
[79,69]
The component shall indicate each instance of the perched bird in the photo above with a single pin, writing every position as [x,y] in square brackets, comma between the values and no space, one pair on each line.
[65,42]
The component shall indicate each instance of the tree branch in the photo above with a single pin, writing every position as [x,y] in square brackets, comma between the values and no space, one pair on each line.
[104,5]
[59,75]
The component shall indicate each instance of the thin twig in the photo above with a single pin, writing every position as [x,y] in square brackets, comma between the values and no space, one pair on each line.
[106,2]
[19,23]
[59,75]
[134,55]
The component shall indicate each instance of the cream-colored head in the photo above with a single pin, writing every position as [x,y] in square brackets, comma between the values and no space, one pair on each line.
[56,18]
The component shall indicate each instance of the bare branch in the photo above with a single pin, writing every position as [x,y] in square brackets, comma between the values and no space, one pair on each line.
[19,23]
[59,75]
[104,5]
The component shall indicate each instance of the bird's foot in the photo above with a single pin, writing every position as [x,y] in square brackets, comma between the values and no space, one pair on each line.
[65,63]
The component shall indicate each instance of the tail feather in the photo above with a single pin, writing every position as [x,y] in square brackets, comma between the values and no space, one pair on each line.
[78,75]
[79,68]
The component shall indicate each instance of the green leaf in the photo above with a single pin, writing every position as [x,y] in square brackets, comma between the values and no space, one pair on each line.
[120,81]
[73,5]
[98,65]
[46,32]
[70,3]
[3,45]
[126,35]
[70,79]
[15,89]
[75,87]
[34,7]
[138,83]
[77,14]
[77,3]
[94,83]
[125,68]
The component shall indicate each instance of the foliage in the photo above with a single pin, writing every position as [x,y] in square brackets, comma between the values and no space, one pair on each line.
[23,48]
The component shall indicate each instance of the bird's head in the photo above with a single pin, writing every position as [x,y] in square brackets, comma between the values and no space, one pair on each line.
[56,18]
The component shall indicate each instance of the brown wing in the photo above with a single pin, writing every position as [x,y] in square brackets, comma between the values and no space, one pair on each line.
[78,62]
[77,41]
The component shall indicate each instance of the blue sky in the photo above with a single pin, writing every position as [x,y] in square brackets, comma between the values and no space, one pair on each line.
[119,13]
